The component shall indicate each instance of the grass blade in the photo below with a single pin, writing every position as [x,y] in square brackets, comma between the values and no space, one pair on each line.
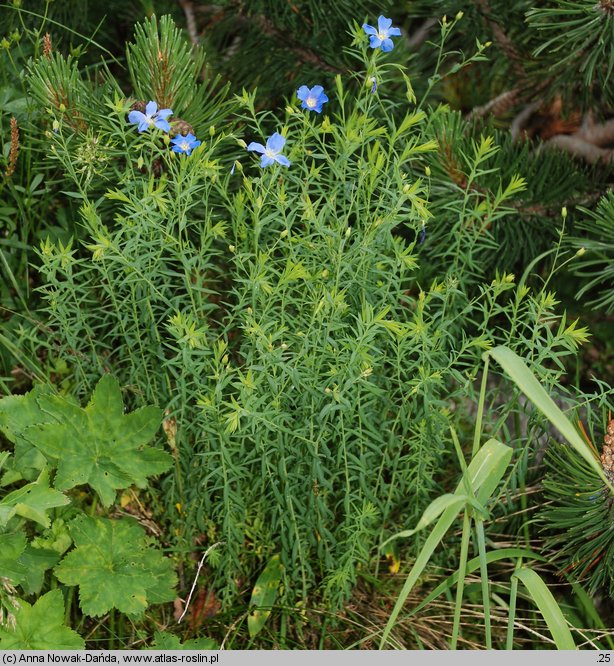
[548,607]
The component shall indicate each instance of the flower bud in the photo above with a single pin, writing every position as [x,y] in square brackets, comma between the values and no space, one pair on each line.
[427,171]
[580,252]
[460,15]
[564,212]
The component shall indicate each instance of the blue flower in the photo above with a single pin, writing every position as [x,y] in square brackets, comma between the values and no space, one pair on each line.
[312,99]
[272,152]
[151,117]
[185,144]
[381,37]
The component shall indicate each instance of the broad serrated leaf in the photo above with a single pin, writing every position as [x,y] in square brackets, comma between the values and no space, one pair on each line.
[12,545]
[99,444]
[32,501]
[36,561]
[264,595]
[18,412]
[163,640]
[40,627]
[115,567]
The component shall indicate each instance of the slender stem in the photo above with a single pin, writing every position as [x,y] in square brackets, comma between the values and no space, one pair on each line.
[462,569]
[479,527]
[509,642]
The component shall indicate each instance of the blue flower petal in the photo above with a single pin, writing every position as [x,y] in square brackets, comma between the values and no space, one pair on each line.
[151,108]
[266,161]
[302,93]
[387,45]
[144,126]
[383,23]
[179,149]
[283,160]
[369,29]
[323,98]
[196,143]
[136,117]
[394,32]
[374,41]
[163,125]
[164,113]
[258,147]
[275,143]
[316,91]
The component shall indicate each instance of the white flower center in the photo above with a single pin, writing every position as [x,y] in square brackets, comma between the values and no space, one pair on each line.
[270,153]
[382,35]
[150,120]
[184,145]
[311,102]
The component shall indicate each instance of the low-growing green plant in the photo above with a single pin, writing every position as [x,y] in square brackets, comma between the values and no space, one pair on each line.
[47,532]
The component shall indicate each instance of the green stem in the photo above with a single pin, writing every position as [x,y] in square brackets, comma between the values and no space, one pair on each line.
[462,569]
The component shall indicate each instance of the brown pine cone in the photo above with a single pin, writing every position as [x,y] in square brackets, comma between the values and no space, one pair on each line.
[179,126]
[607,457]
[139,105]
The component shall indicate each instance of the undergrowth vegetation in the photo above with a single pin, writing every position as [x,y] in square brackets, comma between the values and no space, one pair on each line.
[298,306]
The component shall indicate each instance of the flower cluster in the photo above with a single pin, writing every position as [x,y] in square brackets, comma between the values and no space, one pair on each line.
[159,119]
[311,99]
[314,98]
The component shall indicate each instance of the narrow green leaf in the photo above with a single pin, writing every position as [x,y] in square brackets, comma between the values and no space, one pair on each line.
[484,473]
[432,512]
[548,607]
[473,565]
[526,381]
[264,595]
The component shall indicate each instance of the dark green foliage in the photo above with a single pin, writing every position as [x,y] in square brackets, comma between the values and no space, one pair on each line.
[578,519]
[596,243]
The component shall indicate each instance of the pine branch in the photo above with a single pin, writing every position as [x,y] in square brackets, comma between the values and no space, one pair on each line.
[579,147]
[502,39]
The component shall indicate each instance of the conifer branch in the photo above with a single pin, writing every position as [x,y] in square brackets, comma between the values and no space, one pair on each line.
[576,145]
[502,38]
